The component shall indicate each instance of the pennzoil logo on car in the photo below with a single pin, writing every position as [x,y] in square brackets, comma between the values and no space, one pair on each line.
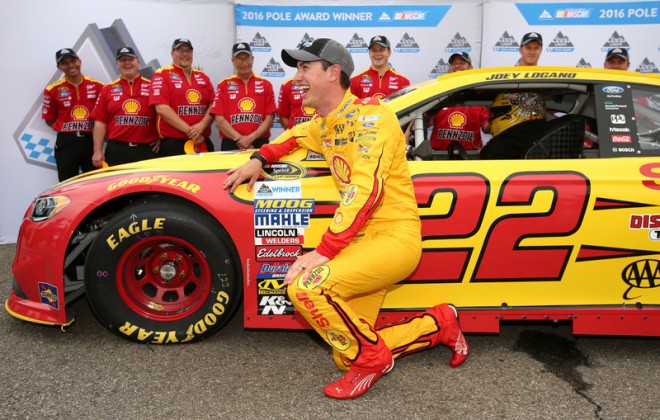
[283,171]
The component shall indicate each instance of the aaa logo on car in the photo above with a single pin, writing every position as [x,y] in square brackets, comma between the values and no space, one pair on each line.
[642,274]
[283,171]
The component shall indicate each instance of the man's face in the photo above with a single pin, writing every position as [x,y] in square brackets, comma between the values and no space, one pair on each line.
[182,56]
[458,64]
[314,83]
[379,55]
[617,63]
[128,66]
[70,66]
[243,63]
[530,53]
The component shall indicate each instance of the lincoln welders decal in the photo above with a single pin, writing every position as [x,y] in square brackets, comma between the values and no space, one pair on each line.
[96,48]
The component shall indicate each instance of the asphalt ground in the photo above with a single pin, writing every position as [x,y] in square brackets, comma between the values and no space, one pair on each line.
[528,371]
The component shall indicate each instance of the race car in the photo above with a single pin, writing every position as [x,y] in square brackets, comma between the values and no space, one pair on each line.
[570,231]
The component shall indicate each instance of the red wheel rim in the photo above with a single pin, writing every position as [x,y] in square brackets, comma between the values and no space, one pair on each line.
[163,278]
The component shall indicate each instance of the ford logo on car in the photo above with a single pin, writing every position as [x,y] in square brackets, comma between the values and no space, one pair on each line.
[613,89]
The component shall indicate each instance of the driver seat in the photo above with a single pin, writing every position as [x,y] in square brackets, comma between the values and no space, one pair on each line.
[563,138]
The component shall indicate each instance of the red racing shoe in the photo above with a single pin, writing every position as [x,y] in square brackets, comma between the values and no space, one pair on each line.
[450,333]
[356,381]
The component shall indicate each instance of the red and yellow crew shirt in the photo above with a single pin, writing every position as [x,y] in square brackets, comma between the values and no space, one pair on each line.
[69,107]
[369,83]
[189,98]
[290,104]
[244,105]
[124,108]
[461,123]
[366,150]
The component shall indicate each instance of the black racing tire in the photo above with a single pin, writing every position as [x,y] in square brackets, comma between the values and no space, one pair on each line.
[163,271]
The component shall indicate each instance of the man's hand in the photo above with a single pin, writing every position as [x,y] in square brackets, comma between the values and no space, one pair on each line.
[250,170]
[97,159]
[155,145]
[245,142]
[305,264]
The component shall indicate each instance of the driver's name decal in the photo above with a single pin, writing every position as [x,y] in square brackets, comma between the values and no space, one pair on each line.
[532,75]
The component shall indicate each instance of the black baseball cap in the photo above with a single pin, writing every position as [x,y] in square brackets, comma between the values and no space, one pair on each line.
[65,52]
[241,47]
[181,41]
[531,36]
[463,55]
[126,51]
[321,49]
[380,40]
[618,52]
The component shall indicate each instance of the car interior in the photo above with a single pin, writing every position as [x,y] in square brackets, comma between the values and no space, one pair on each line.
[571,115]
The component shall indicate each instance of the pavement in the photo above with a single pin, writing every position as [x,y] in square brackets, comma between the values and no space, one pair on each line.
[528,371]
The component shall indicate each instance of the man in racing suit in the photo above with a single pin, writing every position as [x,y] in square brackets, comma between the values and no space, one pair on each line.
[374,239]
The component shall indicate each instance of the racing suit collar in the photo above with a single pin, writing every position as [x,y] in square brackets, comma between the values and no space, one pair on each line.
[342,108]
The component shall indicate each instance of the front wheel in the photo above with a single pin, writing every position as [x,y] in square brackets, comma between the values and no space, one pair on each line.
[163,271]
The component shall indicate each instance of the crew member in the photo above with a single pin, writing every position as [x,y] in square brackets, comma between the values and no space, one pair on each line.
[67,106]
[531,47]
[617,59]
[380,79]
[244,105]
[460,123]
[123,114]
[182,97]
[290,107]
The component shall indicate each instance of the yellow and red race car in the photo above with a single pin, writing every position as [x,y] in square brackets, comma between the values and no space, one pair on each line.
[565,233]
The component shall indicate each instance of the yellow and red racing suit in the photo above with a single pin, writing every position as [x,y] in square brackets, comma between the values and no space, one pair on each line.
[374,239]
